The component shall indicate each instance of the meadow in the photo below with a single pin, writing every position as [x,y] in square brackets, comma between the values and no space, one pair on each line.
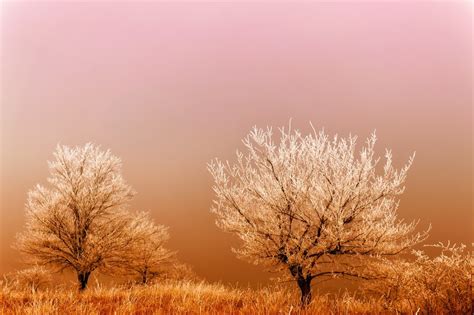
[201,297]
[178,297]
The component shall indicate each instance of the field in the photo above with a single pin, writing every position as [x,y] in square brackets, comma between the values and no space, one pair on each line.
[184,297]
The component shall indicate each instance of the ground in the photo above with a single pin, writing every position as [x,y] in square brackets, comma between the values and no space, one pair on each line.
[184,297]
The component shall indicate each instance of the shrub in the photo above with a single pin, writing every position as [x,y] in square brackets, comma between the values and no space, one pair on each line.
[34,278]
[431,285]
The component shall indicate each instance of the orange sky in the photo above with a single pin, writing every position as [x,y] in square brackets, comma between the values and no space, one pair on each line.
[167,87]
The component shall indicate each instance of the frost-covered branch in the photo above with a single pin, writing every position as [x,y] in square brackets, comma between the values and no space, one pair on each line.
[307,199]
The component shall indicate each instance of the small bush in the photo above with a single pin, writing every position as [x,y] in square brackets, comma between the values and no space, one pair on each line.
[431,285]
[34,278]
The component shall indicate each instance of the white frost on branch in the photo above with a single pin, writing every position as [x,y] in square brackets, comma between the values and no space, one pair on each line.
[79,221]
[311,205]
[148,258]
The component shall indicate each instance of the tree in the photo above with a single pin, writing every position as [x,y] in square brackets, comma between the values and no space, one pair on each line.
[438,285]
[310,206]
[33,278]
[148,258]
[180,272]
[79,221]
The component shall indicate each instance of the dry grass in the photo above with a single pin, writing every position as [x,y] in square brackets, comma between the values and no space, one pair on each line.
[177,298]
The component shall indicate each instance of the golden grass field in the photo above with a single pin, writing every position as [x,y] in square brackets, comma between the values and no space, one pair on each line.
[185,297]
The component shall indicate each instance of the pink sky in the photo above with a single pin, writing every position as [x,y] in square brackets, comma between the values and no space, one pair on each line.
[168,86]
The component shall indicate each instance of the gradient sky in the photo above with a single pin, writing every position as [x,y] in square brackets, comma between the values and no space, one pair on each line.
[167,87]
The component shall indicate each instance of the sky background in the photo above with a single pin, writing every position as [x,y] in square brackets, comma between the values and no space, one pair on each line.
[167,87]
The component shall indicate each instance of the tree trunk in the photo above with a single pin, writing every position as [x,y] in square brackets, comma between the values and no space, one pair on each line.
[305,287]
[303,282]
[83,277]
[145,276]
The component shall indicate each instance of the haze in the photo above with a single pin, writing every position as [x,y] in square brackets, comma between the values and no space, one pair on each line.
[169,86]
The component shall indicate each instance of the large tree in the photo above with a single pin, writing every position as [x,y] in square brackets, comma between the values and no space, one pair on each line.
[311,205]
[79,221]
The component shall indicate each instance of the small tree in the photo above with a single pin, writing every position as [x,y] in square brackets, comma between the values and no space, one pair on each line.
[148,258]
[180,272]
[310,205]
[439,285]
[79,221]
[33,278]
